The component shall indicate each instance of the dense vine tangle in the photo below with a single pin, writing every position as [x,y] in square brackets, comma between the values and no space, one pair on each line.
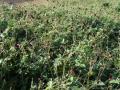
[119,47]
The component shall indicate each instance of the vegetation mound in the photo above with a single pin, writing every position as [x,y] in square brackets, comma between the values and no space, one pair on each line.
[59,47]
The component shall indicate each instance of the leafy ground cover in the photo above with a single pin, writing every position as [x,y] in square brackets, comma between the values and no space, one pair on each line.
[68,45]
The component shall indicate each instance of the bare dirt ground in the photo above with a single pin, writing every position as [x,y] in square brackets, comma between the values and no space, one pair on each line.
[23,2]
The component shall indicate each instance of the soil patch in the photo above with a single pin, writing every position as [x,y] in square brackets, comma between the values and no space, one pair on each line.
[20,2]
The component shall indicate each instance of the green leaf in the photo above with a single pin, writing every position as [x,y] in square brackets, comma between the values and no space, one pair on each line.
[76,88]
[71,78]
[115,81]
[1,61]
[82,88]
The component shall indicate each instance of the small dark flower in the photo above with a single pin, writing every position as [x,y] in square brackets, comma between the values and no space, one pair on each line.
[17,45]
[110,77]
[95,14]
[30,43]
[71,71]
[39,79]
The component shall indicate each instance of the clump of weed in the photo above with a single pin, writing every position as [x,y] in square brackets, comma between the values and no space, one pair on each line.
[106,4]
[118,8]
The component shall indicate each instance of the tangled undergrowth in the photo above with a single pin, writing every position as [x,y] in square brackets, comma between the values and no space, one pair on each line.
[51,48]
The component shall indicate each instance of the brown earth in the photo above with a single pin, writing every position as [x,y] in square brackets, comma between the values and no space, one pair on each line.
[21,2]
